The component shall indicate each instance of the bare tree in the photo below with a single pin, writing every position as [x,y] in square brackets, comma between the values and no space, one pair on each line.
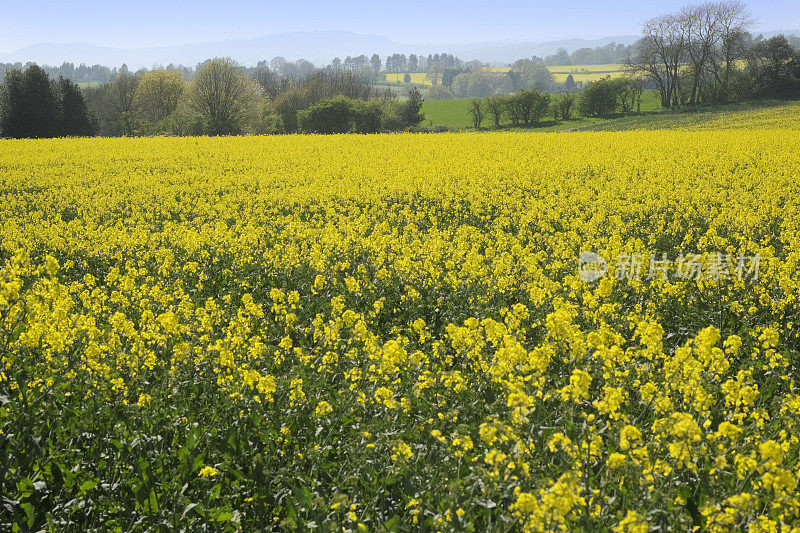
[659,54]
[671,40]
[701,27]
[698,45]
[734,22]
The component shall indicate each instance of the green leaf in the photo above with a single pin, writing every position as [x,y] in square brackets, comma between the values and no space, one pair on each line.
[86,486]
[25,488]
[153,501]
[393,524]
[28,508]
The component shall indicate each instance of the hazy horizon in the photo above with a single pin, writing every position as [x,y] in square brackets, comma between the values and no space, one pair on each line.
[163,24]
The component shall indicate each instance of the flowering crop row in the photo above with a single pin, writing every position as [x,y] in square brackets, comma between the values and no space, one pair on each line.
[390,332]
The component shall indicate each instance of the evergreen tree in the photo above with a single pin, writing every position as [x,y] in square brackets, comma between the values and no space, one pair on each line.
[29,107]
[73,111]
[11,96]
[411,110]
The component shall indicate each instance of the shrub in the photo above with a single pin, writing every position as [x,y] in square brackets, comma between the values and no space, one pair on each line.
[269,121]
[367,116]
[563,106]
[599,98]
[288,104]
[528,106]
[410,111]
[392,122]
[332,115]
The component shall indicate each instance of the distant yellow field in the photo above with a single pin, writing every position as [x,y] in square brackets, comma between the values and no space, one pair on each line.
[561,77]
[580,73]
[572,69]
[420,78]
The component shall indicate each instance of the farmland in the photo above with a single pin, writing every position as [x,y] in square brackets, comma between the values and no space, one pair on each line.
[455,114]
[288,332]
[419,78]
[580,73]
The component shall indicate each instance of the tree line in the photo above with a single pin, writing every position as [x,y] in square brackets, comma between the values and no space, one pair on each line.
[771,70]
[80,74]
[702,54]
[529,107]
[525,107]
[222,98]
[600,55]
[705,54]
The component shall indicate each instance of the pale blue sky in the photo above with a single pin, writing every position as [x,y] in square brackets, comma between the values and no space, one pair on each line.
[154,23]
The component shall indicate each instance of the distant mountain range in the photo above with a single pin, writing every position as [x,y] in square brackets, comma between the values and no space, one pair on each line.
[319,47]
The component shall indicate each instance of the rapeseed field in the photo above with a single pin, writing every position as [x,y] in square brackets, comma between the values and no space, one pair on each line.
[475,332]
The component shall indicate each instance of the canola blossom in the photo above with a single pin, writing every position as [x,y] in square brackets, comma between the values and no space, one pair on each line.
[390,333]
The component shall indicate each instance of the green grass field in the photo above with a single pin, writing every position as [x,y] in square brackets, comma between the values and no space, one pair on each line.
[745,116]
[455,113]
[89,84]
[451,113]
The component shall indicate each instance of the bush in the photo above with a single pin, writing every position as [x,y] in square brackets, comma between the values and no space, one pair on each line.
[342,115]
[528,106]
[367,116]
[563,106]
[599,98]
[607,96]
[392,122]
[288,104]
[269,121]
[331,115]
[410,111]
